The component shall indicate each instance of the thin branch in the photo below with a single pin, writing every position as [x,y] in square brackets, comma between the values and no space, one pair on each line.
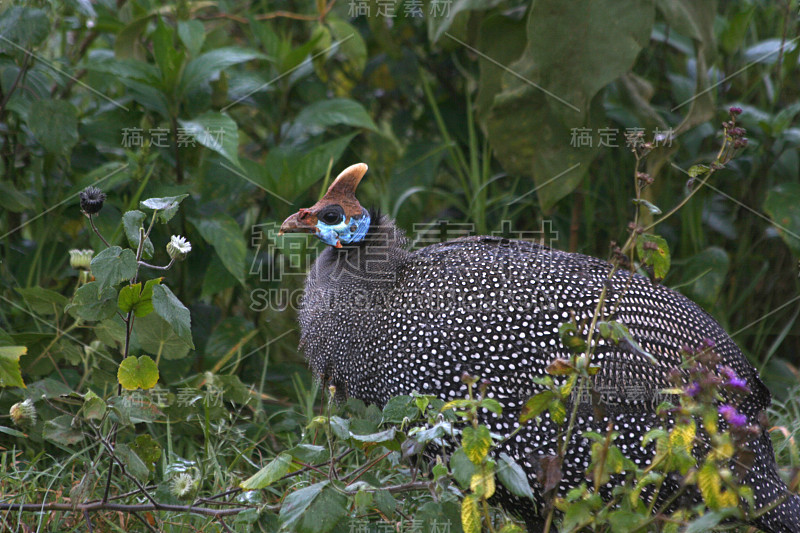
[121,507]
[97,231]
[156,267]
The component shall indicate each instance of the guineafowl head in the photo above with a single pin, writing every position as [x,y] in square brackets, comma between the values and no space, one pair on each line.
[337,218]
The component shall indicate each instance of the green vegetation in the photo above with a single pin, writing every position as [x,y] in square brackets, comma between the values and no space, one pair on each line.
[150,378]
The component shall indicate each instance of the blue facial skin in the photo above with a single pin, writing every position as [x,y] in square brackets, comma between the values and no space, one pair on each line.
[346,232]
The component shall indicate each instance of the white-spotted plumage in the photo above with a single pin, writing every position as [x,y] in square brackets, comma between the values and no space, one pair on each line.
[378,321]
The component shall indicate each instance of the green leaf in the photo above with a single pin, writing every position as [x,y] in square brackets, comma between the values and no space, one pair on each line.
[10,373]
[166,206]
[91,303]
[513,477]
[12,432]
[133,297]
[112,266]
[60,430]
[132,221]
[314,509]
[443,13]
[476,443]
[536,405]
[399,408]
[658,258]
[168,56]
[225,235]
[43,301]
[24,26]
[654,209]
[698,170]
[168,307]
[133,463]
[783,207]
[381,436]
[14,200]
[276,469]
[551,89]
[705,273]
[192,33]
[557,410]
[148,450]
[336,111]
[310,453]
[202,68]
[54,123]
[94,407]
[156,336]
[217,132]
[141,373]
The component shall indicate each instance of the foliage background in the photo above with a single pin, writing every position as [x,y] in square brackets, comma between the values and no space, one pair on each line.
[460,114]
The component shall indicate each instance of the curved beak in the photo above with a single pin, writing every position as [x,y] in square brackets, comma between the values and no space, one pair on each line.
[299,222]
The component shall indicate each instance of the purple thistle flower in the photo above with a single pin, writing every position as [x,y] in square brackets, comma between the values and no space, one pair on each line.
[733,381]
[735,110]
[732,416]
[693,389]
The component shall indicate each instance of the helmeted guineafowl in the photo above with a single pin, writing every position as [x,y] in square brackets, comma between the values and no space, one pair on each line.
[378,321]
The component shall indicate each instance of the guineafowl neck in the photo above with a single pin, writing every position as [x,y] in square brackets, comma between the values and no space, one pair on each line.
[346,290]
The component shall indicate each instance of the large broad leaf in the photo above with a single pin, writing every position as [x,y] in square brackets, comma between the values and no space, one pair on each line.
[61,431]
[513,477]
[225,235]
[137,299]
[441,14]
[551,90]
[24,27]
[314,509]
[156,336]
[324,113]
[113,265]
[705,274]
[133,463]
[55,125]
[215,131]
[92,303]
[10,375]
[43,301]
[168,307]
[204,67]
[783,206]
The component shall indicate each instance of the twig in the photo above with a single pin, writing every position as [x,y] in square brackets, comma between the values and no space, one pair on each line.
[156,267]
[97,232]
[125,508]
[145,522]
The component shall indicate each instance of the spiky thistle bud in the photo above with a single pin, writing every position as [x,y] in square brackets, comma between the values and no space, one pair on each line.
[92,200]
[183,486]
[23,413]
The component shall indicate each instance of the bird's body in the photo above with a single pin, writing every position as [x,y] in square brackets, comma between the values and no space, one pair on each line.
[378,321]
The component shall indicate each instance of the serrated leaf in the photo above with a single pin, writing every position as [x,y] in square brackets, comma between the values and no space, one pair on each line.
[513,477]
[137,373]
[112,266]
[168,307]
[275,469]
[482,483]
[91,303]
[314,509]
[131,222]
[166,206]
[24,26]
[217,132]
[225,235]
[658,258]
[476,443]
[470,515]
[10,373]
[698,170]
